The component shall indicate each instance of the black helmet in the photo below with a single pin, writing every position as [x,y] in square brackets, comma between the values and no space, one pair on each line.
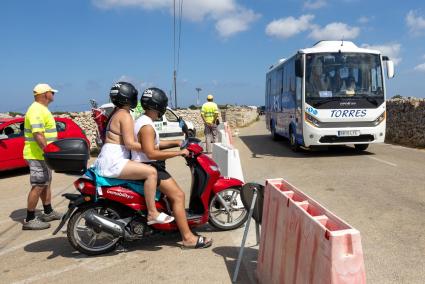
[154,99]
[123,94]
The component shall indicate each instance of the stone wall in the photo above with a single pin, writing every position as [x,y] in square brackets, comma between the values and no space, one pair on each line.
[236,117]
[406,122]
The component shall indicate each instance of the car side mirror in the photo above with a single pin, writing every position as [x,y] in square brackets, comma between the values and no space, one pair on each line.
[390,67]
[3,136]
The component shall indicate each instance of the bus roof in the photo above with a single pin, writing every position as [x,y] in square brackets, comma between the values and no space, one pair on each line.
[337,46]
[328,46]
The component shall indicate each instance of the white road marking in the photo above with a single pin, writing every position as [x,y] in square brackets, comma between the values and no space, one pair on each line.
[383,161]
[55,272]
[88,264]
[6,251]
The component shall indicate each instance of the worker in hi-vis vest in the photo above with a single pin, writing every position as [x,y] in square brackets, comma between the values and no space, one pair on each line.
[39,130]
[209,113]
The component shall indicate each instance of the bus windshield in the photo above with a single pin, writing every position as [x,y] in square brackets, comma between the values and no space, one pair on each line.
[333,77]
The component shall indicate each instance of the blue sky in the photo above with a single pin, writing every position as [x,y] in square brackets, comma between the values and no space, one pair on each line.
[82,47]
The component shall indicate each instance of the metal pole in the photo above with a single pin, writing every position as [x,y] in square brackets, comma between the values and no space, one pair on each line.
[197,101]
[175,88]
[248,221]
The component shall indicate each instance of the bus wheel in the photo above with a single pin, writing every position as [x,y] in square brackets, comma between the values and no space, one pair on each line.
[293,141]
[361,147]
[275,136]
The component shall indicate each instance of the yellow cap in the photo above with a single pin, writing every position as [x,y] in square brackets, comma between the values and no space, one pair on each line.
[210,97]
[43,88]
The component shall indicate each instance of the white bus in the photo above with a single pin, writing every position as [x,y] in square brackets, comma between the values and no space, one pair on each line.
[330,94]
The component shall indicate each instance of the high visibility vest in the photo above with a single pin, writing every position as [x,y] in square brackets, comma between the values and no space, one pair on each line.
[208,110]
[38,118]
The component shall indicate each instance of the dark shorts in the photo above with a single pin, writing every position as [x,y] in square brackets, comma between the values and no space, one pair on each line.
[161,171]
[40,174]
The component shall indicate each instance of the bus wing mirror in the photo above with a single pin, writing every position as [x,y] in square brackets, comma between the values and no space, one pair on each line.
[390,67]
[298,68]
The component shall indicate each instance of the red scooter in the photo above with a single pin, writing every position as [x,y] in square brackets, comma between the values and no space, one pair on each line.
[102,216]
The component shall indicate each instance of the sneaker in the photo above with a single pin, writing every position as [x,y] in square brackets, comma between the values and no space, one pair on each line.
[35,224]
[54,215]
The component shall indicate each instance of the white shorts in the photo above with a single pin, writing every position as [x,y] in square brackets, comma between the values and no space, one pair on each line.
[111,160]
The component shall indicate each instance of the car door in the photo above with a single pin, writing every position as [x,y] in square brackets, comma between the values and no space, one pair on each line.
[171,124]
[11,146]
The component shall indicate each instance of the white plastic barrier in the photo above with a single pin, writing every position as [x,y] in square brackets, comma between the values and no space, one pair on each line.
[227,158]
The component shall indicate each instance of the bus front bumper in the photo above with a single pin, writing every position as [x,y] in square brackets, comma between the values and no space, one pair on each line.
[314,136]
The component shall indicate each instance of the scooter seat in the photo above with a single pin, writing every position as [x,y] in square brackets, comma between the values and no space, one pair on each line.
[134,185]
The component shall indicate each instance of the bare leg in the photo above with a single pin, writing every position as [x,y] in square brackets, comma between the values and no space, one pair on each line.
[174,193]
[138,171]
[33,196]
[46,195]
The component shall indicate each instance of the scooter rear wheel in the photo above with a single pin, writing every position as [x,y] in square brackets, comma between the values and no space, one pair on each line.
[85,239]
[226,210]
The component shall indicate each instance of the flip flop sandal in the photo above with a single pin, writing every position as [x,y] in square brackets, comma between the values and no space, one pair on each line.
[200,243]
[162,218]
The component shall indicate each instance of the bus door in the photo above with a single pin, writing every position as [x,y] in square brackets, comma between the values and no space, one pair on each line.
[281,108]
[299,97]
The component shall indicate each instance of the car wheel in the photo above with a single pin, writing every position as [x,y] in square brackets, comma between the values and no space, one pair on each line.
[293,141]
[361,147]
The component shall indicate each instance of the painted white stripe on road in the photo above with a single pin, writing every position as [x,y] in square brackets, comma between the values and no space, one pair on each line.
[54,272]
[88,264]
[6,251]
[383,161]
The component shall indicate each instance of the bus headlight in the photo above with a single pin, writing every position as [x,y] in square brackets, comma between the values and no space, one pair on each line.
[312,120]
[380,118]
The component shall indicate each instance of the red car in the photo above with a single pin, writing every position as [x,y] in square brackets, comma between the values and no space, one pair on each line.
[12,139]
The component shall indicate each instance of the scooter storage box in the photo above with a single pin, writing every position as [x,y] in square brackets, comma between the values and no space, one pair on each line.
[67,155]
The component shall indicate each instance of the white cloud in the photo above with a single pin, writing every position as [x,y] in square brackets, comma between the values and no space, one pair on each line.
[287,27]
[420,67]
[317,4]
[334,31]
[230,17]
[364,19]
[235,23]
[392,50]
[415,23]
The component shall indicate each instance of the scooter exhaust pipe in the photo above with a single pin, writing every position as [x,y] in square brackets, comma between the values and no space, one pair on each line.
[103,224]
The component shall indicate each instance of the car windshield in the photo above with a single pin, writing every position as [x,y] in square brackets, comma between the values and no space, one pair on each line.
[330,76]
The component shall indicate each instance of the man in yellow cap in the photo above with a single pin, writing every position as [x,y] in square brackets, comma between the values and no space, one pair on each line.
[209,113]
[39,130]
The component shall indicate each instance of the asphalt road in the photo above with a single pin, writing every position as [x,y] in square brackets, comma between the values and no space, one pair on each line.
[380,192]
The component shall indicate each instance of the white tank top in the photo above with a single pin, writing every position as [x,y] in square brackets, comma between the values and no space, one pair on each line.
[140,122]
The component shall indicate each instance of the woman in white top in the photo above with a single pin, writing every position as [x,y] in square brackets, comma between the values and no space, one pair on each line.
[154,101]
[114,158]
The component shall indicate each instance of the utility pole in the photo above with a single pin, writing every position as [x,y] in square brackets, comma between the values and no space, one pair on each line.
[198,90]
[175,88]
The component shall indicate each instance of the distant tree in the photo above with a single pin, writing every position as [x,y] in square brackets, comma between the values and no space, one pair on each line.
[397,97]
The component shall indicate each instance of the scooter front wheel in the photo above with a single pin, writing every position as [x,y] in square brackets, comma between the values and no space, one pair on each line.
[226,210]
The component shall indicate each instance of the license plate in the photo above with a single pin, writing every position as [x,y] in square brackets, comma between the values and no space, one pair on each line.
[345,133]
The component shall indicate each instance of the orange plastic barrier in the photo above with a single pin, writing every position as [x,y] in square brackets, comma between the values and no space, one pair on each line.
[228,130]
[302,242]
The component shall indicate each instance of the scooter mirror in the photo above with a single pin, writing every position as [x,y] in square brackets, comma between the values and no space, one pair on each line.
[183,126]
